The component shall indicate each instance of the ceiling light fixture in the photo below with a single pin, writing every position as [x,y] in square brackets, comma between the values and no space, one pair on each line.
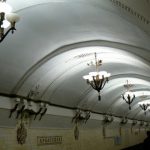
[144,104]
[128,96]
[97,79]
[7,19]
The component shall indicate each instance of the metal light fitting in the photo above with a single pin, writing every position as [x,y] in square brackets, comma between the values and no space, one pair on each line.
[108,119]
[144,107]
[124,120]
[97,79]
[81,116]
[128,96]
[144,104]
[7,19]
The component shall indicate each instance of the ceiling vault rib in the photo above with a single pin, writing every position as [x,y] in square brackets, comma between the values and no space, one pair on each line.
[65,48]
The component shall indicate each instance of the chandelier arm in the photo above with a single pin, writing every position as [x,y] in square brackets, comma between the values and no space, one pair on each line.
[93,86]
[141,106]
[100,84]
[145,107]
[126,101]
[96,87]
[132,99]
[124,98]
[105,80]
[11,29]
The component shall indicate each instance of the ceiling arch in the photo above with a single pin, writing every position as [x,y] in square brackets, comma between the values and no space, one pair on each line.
[77,61]
[56,39]
[78,46]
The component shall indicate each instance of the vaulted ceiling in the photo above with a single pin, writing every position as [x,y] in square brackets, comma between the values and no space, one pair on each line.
[54,41]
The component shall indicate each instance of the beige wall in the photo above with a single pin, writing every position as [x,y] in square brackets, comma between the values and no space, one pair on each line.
[89,139]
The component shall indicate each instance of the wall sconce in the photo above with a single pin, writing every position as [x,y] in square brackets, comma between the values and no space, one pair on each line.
[134,122]
[124,121]
[81,116]
[128,96]
[108,119]
[97,79]
[28,109]
[7,19]
[25,110]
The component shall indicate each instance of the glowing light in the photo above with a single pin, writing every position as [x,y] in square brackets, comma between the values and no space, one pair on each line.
[5,24]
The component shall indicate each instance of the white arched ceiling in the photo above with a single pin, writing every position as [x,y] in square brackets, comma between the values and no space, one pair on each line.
[54,42]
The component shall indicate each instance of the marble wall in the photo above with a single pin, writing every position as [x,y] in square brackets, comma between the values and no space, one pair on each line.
[89,139]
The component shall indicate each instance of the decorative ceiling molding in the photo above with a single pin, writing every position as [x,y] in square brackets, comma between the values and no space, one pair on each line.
[131,11]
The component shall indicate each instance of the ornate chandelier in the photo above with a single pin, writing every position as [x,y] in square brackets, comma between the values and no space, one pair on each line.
[144,105]
[97,79]
[7,19]
[128,96]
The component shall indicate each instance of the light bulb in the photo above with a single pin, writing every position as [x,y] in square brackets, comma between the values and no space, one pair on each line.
[12,17]
[5,24]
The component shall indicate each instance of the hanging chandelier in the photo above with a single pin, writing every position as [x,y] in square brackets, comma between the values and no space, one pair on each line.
[144,104]
[97,79]
[7,19]
[128,96]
